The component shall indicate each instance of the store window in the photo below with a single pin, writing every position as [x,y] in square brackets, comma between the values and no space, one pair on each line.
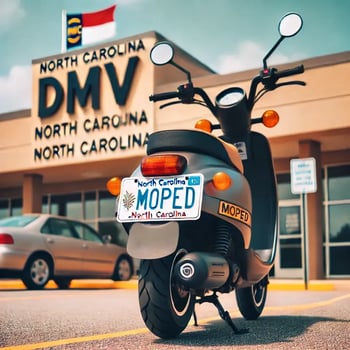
[337,209]
[10,207]
[106,204]
[90,205]
[339,183]
[4,208]
[284,188]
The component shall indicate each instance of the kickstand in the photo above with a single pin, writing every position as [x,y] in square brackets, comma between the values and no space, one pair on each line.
[213,299]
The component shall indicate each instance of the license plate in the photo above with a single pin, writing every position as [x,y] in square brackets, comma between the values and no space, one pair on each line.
[160,198]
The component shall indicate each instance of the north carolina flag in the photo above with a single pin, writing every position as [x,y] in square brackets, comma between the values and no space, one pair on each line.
[88,28]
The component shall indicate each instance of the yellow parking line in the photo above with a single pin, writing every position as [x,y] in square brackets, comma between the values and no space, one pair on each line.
[76,340]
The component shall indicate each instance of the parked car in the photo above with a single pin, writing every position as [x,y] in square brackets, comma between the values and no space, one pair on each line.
[40,247]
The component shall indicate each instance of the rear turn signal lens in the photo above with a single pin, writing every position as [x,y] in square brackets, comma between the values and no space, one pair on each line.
[113,186]
[165,164]
[270,118]
[5,238]
[221,181]
[204,124]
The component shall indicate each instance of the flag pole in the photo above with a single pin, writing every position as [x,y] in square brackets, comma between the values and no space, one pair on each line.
[64,32]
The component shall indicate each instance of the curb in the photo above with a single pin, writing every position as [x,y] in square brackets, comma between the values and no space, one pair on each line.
[297,285]
[274,285]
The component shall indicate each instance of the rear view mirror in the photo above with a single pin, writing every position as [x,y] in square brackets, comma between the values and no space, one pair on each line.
[162,53]
[290,25]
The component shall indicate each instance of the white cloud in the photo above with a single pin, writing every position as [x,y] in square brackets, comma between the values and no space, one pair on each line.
[11,11]
[249,56]
[16,89]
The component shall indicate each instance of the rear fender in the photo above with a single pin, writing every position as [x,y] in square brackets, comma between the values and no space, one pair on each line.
[153,241]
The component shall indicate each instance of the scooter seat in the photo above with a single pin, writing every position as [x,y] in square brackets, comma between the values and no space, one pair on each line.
[196,141]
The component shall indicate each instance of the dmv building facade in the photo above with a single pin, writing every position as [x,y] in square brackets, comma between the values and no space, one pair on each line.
[91,119]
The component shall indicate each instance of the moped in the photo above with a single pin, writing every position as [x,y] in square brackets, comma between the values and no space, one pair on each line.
[201,211]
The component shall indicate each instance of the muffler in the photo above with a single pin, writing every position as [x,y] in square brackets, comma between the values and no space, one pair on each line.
[200,270]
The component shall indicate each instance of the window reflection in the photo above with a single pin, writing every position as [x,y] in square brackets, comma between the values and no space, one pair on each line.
[107,205]
[339,223]
[284,190]
[290,220]
[339,260]
[90,206]
[339,182]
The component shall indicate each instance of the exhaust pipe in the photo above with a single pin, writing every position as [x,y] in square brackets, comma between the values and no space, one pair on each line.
[202,270]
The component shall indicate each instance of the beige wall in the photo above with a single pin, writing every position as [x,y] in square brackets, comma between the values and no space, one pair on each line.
[317,112]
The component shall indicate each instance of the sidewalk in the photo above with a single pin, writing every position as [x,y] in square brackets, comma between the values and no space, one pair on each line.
[275,284]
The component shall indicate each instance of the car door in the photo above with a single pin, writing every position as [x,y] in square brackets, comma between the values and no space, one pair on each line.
[99,258]
[64,245]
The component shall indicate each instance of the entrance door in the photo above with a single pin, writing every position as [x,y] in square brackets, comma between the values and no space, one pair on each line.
[289,261]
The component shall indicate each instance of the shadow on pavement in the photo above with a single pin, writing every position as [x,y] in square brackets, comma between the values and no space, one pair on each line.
[266,330]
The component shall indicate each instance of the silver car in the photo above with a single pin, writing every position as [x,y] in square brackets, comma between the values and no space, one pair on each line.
[40,247]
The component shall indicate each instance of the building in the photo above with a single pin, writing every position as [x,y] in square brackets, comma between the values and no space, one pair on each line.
[91,117]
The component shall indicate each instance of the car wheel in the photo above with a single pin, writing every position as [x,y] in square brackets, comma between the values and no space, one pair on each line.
[62,282]
[123,270]
[37,272]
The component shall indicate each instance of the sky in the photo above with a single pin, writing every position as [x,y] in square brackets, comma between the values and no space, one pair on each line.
[226,35]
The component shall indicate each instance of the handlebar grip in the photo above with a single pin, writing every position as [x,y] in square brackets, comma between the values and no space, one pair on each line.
[292,71]
[164,96]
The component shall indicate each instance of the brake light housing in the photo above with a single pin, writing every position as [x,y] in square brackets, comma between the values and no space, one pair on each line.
[163,165]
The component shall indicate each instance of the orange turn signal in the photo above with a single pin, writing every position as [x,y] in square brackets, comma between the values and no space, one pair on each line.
[113,186]
[221,181]
[204,124]
[270,118]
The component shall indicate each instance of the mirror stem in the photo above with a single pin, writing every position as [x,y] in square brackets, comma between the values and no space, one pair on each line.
[183,70]
[271,51]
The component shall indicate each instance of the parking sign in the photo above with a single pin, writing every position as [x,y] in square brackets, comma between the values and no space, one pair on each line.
[303,175]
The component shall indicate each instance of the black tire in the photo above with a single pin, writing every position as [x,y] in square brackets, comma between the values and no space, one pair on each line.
[251,300]
[166,308]
[124,269]
[62,282]
[37,272]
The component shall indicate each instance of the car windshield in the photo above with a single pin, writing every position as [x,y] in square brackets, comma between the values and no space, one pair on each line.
[17,221]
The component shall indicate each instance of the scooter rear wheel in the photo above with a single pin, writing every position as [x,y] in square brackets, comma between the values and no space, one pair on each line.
[251,300]
[166,307]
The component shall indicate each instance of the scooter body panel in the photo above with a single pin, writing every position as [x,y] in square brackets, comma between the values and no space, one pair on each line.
[234,205]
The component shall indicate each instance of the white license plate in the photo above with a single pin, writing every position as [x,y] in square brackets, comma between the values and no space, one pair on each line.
[161,198]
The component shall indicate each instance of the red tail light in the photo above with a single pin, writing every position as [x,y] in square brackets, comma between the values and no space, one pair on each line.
[165,164]
[5,238]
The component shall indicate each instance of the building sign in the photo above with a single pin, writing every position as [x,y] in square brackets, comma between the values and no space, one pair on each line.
[93,104]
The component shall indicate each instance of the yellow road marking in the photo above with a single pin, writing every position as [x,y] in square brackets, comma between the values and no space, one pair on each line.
[76,340]
[145,330]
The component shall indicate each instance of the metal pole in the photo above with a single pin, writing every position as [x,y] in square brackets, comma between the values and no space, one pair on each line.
[305,245]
